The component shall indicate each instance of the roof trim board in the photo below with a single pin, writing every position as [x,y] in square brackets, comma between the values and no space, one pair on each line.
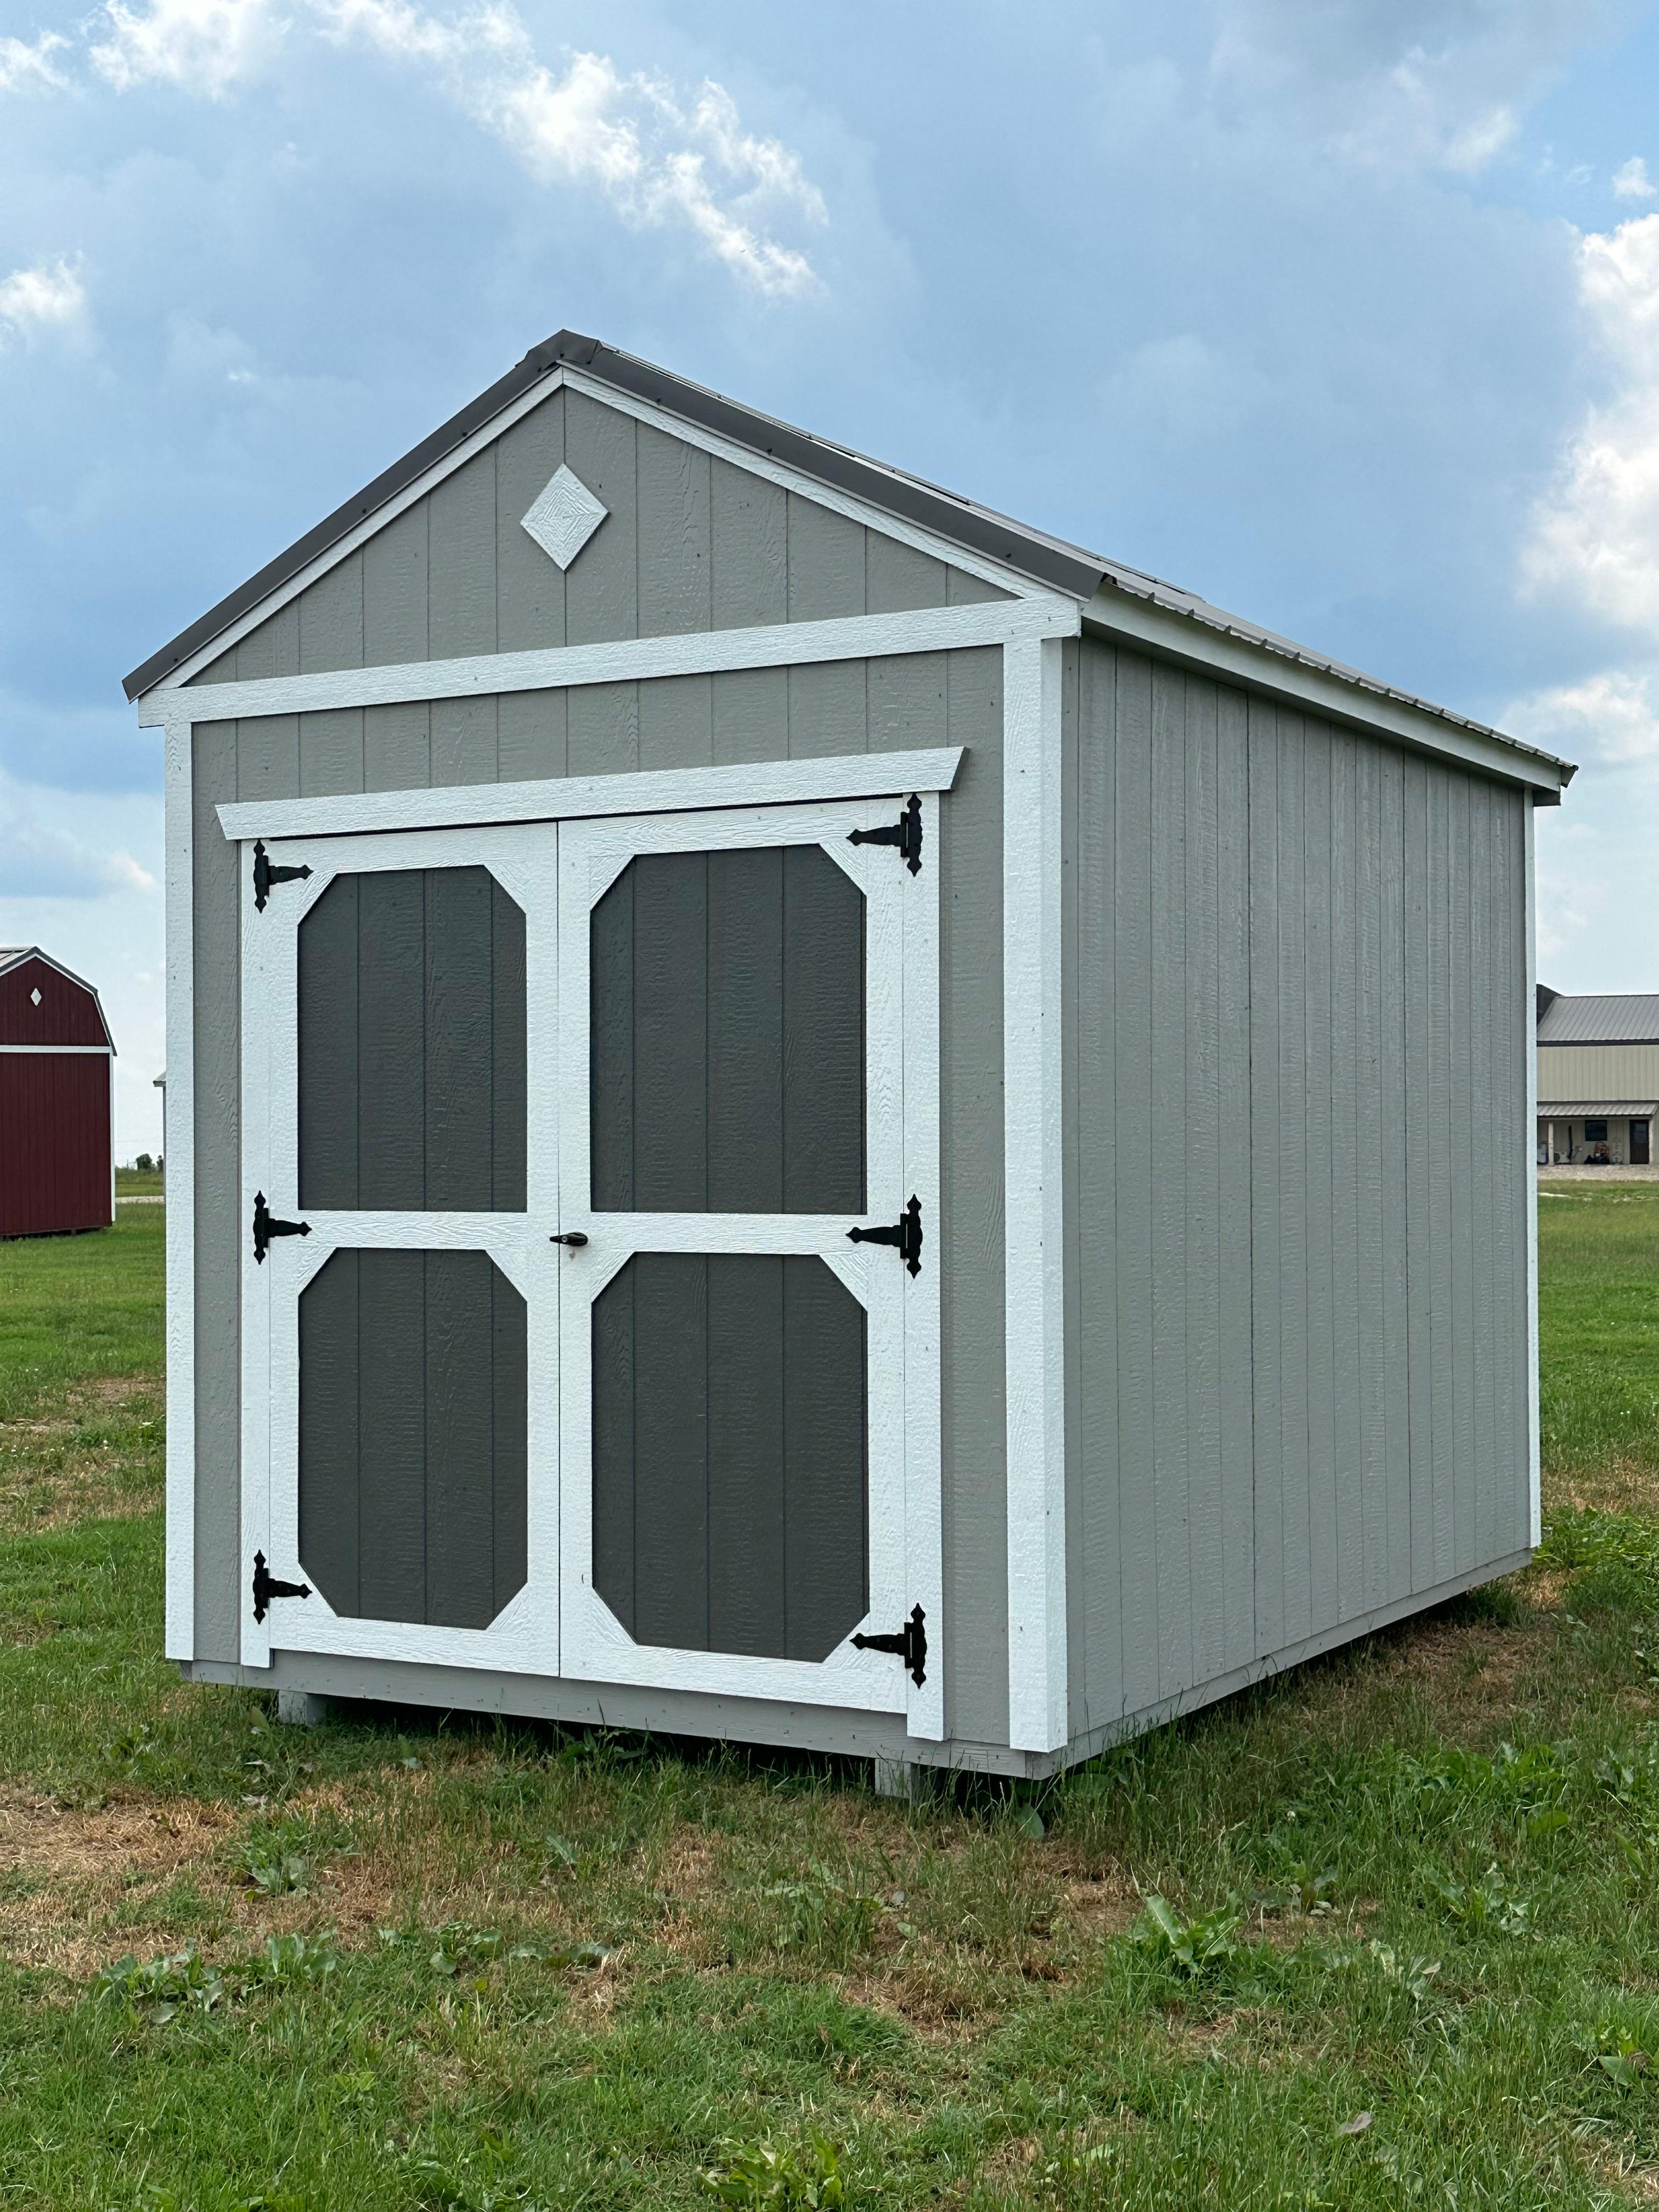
[881,496]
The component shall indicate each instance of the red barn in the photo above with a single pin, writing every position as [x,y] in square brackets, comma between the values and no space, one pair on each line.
[57,1085]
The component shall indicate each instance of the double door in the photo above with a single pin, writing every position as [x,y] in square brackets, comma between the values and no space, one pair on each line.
[590,1295]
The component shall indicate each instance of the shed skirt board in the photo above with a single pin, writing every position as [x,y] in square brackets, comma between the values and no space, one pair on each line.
[694,1445]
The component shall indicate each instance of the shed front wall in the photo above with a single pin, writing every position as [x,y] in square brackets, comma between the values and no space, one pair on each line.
[1298,1174]
[760,715]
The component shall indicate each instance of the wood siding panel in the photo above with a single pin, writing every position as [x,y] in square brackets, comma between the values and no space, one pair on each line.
[730,1475]
[1297,1281]
[413,1469]
[688,542]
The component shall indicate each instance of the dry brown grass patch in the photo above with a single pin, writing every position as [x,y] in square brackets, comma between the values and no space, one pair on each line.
[49,1479]
[1612,1486]
[90,1863]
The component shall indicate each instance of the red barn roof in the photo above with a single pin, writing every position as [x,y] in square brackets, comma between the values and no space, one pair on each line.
[42,1003]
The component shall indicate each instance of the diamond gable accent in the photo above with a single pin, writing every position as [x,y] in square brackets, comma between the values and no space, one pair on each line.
[564,516]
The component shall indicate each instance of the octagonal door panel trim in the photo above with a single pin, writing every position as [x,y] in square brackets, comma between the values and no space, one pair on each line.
[704,1127]
[418,872]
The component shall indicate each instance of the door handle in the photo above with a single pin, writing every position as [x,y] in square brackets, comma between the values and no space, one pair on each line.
[572,1237]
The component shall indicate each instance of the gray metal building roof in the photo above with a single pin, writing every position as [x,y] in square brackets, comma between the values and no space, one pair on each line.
[1034,553]
[1604,1018]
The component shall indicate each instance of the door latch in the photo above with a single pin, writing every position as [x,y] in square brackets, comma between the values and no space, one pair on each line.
[266,1225]
[910,1644]
[267,872]
[905,833]
[266,1587]
[905,1234]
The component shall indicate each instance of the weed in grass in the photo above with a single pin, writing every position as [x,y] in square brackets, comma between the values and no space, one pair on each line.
[767,2174]
[1477,1906]
[160,1991]
[1197,1949]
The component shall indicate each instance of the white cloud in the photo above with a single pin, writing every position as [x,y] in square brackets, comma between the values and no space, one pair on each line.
[1402,84]
[40,861]
[1632,182]
[35,299]
[30,68]
[1596,537]
[1612,717]
[203,46]
[659,160]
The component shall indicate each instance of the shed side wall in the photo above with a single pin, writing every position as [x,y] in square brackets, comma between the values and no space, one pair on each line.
[1296,1361]
[760,715]
[54,1142]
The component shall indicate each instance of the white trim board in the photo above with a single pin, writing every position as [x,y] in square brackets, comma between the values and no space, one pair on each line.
[181,1155]
[1034,1298]
[870,516]
[574,798]
[60,1048]
[1529,1156]
[623,660]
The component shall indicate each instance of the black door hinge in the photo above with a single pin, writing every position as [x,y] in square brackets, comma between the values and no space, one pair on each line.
[910,1644]
[905,833]
[266,872]
[266,1225]
[905,1233]
[266,1587]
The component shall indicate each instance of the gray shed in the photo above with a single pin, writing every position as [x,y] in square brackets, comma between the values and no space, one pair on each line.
[801,1113]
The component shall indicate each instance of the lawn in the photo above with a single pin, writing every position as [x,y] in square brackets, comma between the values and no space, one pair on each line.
[1384,1933]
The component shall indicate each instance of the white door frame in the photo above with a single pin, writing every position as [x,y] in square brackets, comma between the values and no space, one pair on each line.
[524,1638]
[902,1107]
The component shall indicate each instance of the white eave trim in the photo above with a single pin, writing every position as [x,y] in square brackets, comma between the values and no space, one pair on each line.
[1229,658]
[57,1050]
[574,798]
[623,660]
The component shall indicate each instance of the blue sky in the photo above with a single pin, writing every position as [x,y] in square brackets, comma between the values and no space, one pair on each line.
[1344,312]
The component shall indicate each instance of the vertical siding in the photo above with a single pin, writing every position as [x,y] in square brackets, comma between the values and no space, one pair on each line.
[1297,1364]
[688,542]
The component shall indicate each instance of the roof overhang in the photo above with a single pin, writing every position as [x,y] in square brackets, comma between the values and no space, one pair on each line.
[1574,1109]
[1169,624]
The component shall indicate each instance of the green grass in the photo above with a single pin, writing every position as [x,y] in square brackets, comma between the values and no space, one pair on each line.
[135,1182]
[1407,1952]
[1598,1252]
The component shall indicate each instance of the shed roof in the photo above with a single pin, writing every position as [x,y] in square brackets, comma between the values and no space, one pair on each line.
[1048,560]
[1601,1017]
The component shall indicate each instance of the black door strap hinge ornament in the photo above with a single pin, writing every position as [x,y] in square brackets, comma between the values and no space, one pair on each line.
[910,1644]
[905,833]
[905,1233]
[266,872]
[266,1587]
[266,1225]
